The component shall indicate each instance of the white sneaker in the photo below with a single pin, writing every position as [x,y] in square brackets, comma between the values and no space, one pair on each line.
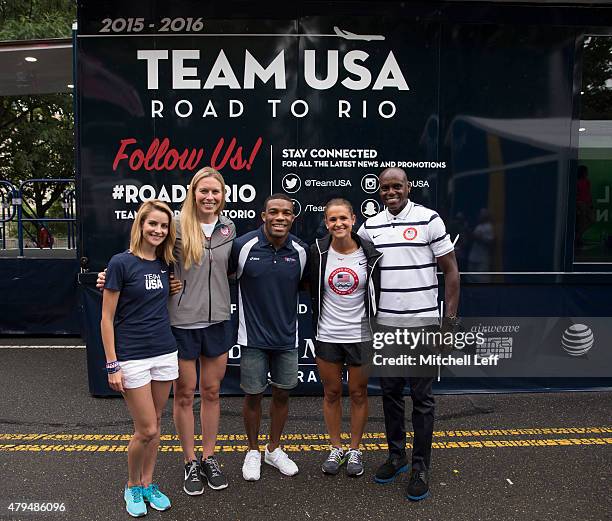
[278,458]
[251,468]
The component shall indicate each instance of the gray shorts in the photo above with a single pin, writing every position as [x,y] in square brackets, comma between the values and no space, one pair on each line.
[262,367]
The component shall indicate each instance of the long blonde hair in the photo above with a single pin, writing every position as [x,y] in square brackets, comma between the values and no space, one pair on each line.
[191,232]
[164,250]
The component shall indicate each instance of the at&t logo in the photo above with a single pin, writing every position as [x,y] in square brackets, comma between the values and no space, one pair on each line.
[577,340]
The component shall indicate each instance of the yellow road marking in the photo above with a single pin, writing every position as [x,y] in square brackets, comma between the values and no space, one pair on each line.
[314,436]
[318,447]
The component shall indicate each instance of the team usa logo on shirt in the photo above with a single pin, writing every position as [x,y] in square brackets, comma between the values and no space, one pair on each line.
[410,234]
[343,281]
[289,259]
[153,281]
[225,231]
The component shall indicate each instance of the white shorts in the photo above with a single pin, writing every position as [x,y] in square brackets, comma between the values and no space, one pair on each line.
[137,373]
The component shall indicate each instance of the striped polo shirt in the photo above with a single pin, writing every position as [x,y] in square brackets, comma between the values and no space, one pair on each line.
[268,289]
[410,241]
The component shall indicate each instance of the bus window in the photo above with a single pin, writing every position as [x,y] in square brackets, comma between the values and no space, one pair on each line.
[593,227]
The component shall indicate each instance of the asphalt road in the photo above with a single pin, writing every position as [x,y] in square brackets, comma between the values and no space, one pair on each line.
[496,457]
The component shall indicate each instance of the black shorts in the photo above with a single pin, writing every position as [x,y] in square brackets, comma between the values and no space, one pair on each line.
[210,342]
[350,353]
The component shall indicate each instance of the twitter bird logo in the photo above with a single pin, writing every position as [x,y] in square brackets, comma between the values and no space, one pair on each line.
[291,183]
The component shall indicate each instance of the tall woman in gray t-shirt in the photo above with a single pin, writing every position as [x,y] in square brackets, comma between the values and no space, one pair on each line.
[200,314]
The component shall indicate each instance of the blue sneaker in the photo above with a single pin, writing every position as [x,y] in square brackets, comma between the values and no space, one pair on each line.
[134,502]
[156,498]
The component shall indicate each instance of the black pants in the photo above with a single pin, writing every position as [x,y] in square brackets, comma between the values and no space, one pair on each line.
[423,404]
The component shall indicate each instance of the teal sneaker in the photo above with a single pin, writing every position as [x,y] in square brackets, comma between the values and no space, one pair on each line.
[156,498]
[134,502]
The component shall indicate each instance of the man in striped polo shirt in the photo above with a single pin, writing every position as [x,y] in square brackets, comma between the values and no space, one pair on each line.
[414,243]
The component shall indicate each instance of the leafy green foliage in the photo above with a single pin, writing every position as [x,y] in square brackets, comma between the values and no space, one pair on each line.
[36,141]
[34,19]
[36,132]
[596,102]
[48,26]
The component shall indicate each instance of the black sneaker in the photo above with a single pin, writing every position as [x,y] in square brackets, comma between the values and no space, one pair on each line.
[418,487]
[390,469]
[193,484]
[211,473]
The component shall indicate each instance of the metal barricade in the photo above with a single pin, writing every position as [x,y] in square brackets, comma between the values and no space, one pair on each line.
[68,206]
[8,194]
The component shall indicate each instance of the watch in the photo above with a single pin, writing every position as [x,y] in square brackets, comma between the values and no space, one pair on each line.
[451,320]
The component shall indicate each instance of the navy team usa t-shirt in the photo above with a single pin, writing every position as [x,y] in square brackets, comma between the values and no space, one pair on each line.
[142,323]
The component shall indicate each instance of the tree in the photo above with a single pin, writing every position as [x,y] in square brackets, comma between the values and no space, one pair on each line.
[36,132]
[596,102]
[34,19]
[36,141]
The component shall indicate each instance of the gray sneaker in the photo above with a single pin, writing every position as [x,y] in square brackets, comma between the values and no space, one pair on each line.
[334,461]
[210,472]
[354,466]
[192,483]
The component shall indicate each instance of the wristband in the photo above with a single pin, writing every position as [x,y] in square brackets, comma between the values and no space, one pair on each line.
[112,367]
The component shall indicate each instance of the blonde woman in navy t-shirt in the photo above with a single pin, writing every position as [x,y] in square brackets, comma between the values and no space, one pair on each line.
[141,352]
[345,286]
